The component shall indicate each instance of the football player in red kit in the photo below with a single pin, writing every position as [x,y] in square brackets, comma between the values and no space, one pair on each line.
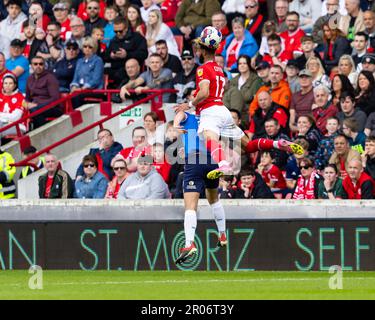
[215,118]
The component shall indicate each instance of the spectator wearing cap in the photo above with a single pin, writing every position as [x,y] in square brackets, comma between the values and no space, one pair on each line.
[302,100]
[186,78]
[94,20]
[292,70]
[31,44]
[309,11]
[323,109]
[276,55]
[307,46]
[349,110]
[292,36]
[369,22]
[38,162]
[78,31]
[64,68]
[262,69]
[171,59]
[358,184]
[242,88]
[18,64]
[124,46]
[55,49]
[352,23]
[12,103]
[240,42]
[42,89]
[360,49]
[254,20]
[192,17]
[278,88]
[368,63]
[11,26]
[61,14]
[145,183]
[319,77]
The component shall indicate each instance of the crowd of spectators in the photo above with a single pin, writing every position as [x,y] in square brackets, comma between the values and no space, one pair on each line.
[297,70]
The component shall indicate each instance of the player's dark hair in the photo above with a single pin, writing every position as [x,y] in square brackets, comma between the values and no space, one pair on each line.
[236,112]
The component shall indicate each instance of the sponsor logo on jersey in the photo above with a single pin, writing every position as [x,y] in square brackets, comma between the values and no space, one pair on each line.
[200,72]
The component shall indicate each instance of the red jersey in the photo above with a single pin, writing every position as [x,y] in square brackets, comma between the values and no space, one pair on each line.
[283,56]
[10,103]
[65,28]
[293,40]
[274,174]
[211,72]
[163,169]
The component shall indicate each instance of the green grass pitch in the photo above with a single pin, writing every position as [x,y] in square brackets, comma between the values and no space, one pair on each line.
[177,285]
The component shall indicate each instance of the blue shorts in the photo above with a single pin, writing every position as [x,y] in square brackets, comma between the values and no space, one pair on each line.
[195,177]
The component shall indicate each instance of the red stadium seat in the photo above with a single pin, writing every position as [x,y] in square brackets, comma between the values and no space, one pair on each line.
[180,43]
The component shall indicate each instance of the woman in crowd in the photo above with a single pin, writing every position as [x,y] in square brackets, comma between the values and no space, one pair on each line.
[157,30]
[242,88]
[307,129]
[135,19]
[122,6]
[365,93]
[12,104]
[89,69]
[331,187]
[121,173]
[93,184]
[340,84]
[319,76]
[347,68]
[335,45]
[240,42]
[308,182]
[154,133]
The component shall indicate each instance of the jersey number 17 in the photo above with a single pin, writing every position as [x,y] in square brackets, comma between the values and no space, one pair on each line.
[220,83]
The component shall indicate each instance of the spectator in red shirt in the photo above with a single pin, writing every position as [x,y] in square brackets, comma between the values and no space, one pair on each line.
[271,174]
[140,147]
[12,103]
[134,17]
[61,13]
[358,184]
[276,55]
[160,162]
[82,12]
[323,108]
[121,173]
[292,36]
[37,16]
[168,10]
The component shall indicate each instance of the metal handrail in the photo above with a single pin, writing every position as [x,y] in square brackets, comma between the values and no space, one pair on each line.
[152,97]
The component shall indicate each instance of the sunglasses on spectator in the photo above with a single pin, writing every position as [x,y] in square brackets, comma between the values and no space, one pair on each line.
[119,168]
[186,58]
[119,31]
[87,46]
[93,8]
[71,48]
[252,6]
[38,63]
[304,167]
[89,165]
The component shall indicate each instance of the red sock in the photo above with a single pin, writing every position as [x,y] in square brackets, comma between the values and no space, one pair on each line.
[217,152]
[258,145]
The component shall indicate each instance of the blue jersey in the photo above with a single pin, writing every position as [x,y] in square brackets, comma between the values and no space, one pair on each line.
[192,143]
